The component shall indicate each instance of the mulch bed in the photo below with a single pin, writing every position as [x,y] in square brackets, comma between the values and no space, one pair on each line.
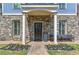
[15,47]
[60,47]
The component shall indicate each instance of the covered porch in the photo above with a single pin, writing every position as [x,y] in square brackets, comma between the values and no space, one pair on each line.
[37,25]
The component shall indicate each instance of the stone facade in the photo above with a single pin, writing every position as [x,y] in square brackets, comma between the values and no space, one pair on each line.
[72,25]
[6,31]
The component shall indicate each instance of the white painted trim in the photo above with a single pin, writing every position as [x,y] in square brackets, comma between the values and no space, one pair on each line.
[67,14]
[76,8]
[52,11]
[39,5]
[23,29]
[11,13]
[32,10]
[55,29]
[33,29]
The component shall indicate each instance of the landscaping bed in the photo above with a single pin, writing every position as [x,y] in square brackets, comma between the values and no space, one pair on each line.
[63,49]
[14,49]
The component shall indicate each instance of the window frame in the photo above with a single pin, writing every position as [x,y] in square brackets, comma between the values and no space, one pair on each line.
[1,6]
[14,6]
[18,32]
[65,28]
[64,8]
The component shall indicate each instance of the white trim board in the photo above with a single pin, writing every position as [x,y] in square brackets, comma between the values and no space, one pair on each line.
[39,5]
[67,14]
[76,8]
[11,13]
[21,14]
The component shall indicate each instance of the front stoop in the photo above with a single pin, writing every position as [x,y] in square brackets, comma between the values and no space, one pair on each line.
[37,48]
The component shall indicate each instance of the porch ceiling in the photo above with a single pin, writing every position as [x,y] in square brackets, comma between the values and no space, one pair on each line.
[39,12]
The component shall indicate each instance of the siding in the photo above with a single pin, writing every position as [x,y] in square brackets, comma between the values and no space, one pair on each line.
[8,8]
[70,9]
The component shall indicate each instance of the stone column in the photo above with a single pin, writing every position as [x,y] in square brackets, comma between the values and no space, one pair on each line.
[55,29]
[23,29]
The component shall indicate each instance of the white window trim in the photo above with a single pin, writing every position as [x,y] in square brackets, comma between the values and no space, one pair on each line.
[76,9]
[12,13]
[17,28]
[65,27]
[67,14]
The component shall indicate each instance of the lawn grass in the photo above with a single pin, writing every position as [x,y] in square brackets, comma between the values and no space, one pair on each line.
[62,52]
[12,52]
[76,46]
[9,52]
[65,52]
[2,45]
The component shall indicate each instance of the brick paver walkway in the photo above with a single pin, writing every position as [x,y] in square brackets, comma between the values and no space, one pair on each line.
[37,48]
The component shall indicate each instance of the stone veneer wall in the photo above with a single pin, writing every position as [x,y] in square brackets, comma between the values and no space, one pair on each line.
[6,27]
[72,25]
[6,31]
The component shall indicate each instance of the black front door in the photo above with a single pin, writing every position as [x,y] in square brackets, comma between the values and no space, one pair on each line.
[38,31]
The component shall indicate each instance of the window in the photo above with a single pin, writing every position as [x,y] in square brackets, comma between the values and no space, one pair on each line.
[78,23]
[62,27]
[17,5]
[0,5]
[16,27]
[62,6]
